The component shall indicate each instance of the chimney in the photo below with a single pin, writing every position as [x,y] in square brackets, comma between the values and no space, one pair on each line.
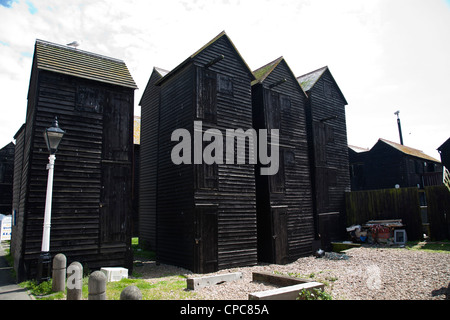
[399,126]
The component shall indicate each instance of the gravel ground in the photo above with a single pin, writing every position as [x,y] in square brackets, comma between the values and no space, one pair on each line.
[367,274]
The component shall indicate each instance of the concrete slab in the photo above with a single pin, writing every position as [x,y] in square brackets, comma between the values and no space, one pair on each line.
[201,282]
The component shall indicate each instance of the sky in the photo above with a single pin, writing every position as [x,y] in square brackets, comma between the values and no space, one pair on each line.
[385,55]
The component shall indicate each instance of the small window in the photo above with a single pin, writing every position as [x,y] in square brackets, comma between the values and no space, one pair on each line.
[89,99]
[285,102]
[225,84]
[207,176]
[327,89]
[289,158]
[273,111]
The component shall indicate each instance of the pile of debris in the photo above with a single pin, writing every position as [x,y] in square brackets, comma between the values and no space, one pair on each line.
[331,255]
[379,232]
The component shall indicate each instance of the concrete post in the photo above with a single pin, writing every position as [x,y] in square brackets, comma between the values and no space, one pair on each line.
[131,293]
[97,286]
[74,281]
[59,273]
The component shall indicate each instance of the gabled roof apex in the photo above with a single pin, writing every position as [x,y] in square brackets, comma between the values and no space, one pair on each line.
[308,80]
[262,72]
[191,57]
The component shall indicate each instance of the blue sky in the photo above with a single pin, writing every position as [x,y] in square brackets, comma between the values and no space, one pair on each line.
[9,3]
[385,58]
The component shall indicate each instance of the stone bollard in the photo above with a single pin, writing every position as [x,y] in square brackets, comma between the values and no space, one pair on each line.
[97,286]
[131,293]
[74,281]
[59,273]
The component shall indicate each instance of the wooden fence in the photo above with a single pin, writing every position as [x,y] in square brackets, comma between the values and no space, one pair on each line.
[403,203]
[438,200]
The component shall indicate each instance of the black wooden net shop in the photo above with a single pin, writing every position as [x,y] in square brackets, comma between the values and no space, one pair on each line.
[204,215]
[327,140]
[284,200]
[92,96]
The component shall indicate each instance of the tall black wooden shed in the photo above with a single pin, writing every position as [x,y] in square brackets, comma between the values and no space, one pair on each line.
[92,96]
[327,135]
[6,178]
[284,200]
[205,217]
[149,159]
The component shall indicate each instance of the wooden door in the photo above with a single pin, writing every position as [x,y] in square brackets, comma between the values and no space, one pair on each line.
[206,239]
[280,240]
[207,95]
[116,193]
[115,203]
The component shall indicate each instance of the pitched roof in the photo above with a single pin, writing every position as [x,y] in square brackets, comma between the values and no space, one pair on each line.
[408,150]
[308,80]
[358,149]
[78,63]
[262,73]
[191,57]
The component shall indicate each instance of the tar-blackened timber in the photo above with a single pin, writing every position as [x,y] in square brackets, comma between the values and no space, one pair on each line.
[6,178]
[327,136]
[92,96]
[284,200]
[205,214]
[388,164]
[149,159]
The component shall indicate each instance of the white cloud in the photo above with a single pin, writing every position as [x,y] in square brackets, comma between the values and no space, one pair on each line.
[385,55]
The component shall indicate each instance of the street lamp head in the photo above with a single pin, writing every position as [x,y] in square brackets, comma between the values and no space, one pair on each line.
[53,136]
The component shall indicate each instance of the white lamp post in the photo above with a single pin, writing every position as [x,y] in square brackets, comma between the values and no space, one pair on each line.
[53,137]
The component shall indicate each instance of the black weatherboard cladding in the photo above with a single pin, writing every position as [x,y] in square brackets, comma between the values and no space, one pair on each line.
[284,200]
[93,170]
[205,215]
[149,160]
[327,135]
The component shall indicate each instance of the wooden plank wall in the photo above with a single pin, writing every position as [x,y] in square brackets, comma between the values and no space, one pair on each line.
[77,191]
[174,194]
[438,208]
[294,172]
[6,178]
[21,192]
[331,165]
[17,230]
[329,157]
[219,197]
[149,160]
[235,196]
